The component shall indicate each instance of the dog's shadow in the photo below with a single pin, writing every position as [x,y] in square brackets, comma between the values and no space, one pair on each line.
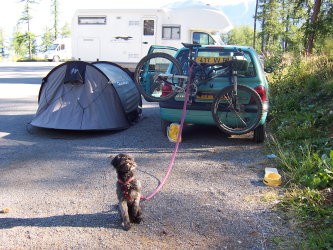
[109,219]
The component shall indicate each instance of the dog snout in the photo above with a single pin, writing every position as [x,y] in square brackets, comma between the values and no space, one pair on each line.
[132,166]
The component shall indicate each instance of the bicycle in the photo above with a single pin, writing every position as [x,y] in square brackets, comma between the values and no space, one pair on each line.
[236,109]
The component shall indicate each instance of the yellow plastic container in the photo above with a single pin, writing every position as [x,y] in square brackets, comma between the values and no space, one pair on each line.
[173,132]
[272,179]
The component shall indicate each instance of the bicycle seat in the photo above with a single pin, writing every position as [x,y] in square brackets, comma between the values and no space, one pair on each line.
[191,46]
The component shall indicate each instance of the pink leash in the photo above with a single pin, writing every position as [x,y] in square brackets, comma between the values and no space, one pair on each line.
[178,139]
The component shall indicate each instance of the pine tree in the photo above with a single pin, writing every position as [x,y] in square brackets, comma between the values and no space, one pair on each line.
[65,31]
[2,43]
[312,31]
[30,42]
[273,27]
[47,39]
[255,25]
[17,42]
[26,17]
[261,16]
[241,35]
[320,24]
[55,13]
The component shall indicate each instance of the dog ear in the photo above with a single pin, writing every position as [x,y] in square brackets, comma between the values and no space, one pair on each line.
[115,161]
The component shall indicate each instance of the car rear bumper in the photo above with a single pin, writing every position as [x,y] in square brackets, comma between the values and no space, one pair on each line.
[172,104]
[196,113]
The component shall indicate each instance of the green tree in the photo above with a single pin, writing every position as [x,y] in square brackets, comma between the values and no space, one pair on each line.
[17,42]
[313,29]
[261,16]
[324,37]
[47,39]
[25,18]
[65,31]
[272,28]
[240,35]
[55,13]
[320,23]
[29,40]
[2,43]
[285,15]
[255,25]
[295,25]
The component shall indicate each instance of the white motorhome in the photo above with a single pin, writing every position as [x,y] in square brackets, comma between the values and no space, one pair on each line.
[60,49]
[124,36]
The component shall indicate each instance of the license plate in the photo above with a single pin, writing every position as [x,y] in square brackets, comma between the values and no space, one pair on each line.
[206,97]
[209,96]
[213,59]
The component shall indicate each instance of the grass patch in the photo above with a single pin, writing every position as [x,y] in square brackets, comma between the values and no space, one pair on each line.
[270,196]
[301,122]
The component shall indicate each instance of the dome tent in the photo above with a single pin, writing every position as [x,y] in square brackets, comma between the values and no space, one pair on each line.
[77,95]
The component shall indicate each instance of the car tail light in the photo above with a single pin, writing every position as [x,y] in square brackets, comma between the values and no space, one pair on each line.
[166,89]
[261,91]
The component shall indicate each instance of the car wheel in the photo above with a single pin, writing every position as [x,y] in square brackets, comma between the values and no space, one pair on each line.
[164,125]
[56,59]
[259,133]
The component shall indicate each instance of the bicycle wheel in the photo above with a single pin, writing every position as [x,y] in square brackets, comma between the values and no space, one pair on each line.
[151,85]
[240,118]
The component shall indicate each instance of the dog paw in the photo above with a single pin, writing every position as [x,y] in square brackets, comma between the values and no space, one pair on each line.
[138,220]
[127,227]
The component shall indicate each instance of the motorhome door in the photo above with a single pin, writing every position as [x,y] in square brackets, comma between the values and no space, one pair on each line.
[148,35]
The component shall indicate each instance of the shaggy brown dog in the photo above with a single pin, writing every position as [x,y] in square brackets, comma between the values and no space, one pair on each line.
[128,190]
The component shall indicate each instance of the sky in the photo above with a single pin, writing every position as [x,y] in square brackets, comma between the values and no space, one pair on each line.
[11,11]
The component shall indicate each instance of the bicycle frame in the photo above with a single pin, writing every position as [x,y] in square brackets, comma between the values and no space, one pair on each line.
[204,81]
[231,67]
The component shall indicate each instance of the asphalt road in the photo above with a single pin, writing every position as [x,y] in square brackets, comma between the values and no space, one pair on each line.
[60,187]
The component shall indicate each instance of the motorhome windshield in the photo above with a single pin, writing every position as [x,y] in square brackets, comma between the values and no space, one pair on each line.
[53,47]
[217,37]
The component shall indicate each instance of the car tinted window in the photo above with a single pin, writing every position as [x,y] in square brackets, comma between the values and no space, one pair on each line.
[247,71]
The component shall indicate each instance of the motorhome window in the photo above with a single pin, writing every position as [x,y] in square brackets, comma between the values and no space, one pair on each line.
[171,32]
[134,23]
[53,47]
[92,19]
[148,29]
[202,39]
[62,46]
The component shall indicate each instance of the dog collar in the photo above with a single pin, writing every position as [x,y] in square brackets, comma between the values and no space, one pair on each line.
[125,187]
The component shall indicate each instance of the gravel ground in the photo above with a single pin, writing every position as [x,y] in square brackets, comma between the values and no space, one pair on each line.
[60,187]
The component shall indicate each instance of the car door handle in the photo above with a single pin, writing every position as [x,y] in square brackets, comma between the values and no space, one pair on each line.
[145,42]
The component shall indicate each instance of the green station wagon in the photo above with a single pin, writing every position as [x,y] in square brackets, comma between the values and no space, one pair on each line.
[200,109]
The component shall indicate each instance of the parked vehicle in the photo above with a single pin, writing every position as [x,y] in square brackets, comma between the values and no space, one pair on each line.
[123,36]
[60,49]
[218,72]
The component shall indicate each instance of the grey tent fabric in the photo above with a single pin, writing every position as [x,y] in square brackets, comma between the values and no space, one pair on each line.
[79,96]
[123,83]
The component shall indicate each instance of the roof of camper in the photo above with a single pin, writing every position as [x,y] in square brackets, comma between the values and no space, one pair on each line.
[186,7]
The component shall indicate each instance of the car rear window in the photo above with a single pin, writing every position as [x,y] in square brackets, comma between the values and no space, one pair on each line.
[218,54]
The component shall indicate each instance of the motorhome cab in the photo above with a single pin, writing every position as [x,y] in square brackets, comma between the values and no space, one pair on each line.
[124,36]
[60,49]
